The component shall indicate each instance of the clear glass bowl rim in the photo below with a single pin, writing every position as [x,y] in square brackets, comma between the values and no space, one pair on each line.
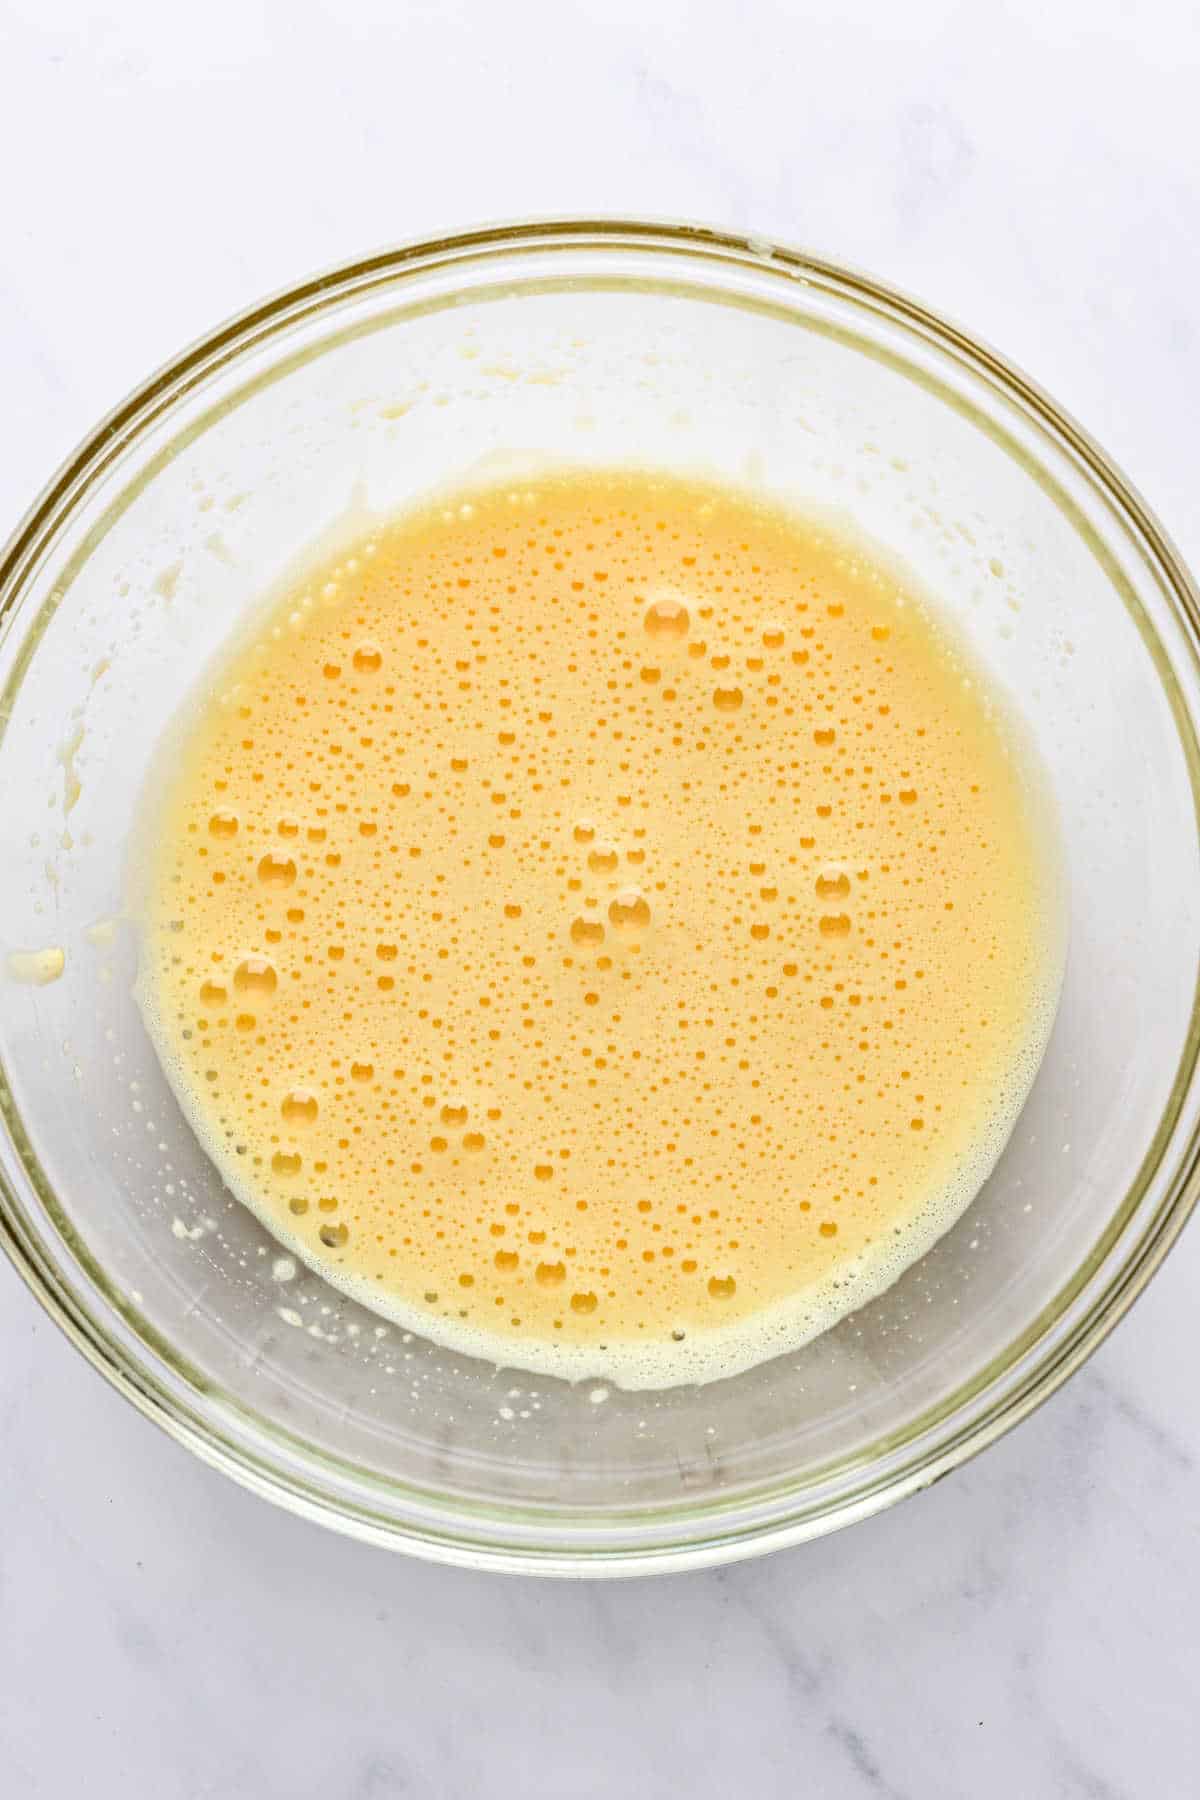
[128,1352]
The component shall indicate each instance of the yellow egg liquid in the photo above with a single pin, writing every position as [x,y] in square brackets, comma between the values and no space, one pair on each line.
[605,926]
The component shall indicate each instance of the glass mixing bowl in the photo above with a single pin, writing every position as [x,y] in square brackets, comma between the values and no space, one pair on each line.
[486,353]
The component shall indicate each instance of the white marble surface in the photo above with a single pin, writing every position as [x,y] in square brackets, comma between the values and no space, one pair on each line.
[1030,1626]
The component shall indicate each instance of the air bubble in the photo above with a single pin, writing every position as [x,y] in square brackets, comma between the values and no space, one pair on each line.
[666,619]
[586,931]
[629,911]
[255,975]
[277,871]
